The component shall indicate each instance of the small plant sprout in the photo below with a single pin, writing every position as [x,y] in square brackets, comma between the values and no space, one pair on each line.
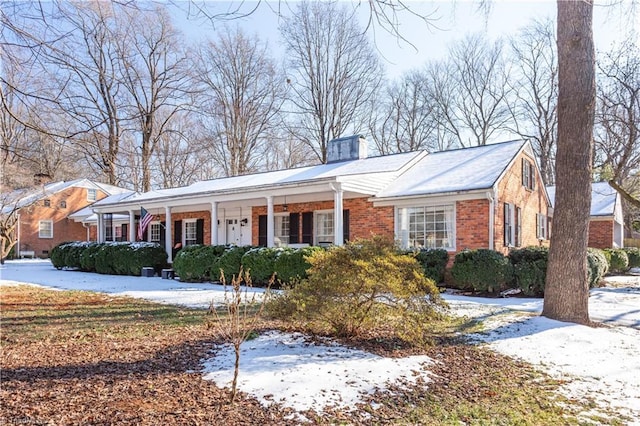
[237,319]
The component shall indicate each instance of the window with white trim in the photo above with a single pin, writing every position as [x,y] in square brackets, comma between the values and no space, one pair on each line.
[190,233]
[154,232]
[45,229]
[429,226]
[92,194]
[324,227]
[281,229]
[117,230]
[509,225]
[541,226]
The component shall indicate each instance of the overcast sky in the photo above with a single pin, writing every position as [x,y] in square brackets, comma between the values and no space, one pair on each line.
[451,21]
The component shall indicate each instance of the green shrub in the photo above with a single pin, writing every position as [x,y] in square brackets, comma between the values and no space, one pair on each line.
[597,266]
[260,263]
[292,265]
[193,263]
[229,262]
[58,254]
[633,253]
[88,257]
[618,260]
[361,287]
[123,258]
[529,266]
[481,270]
[434,263]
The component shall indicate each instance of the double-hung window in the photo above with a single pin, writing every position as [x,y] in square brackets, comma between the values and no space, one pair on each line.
[154,232]
[428,226]
[190,233]
[281,229]
[45,229]
[541,226]
[324,227]
[509,225]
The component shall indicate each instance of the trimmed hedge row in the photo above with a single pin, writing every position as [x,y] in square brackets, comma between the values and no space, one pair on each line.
[525,269]
[116,258]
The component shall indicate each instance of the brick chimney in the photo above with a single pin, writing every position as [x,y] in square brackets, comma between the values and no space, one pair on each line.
[346,148]
[40,179]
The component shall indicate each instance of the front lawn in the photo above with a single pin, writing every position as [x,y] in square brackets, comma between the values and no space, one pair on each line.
[72,357]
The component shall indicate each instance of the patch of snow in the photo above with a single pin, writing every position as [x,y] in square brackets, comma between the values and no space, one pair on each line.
[291,370]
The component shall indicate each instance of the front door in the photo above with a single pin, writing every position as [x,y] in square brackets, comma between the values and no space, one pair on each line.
[233,232]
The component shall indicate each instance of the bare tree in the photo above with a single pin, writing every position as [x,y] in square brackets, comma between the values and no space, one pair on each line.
[11,203]
[534,84]
[406,121]
[154,71]
[566,293]
[481,87]
[242,98]
[334,73]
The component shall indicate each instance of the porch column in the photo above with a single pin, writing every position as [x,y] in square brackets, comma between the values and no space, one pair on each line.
[338,226]
[270,236]
[214,223]
[168,245]
[100,234]
[403,227]
[132,226]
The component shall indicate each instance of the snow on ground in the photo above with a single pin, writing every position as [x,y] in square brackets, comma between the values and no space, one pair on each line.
[600,363]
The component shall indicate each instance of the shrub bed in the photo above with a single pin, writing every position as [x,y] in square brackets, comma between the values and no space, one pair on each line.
[194,263]
[260,263]
[529,267]
[292,264]
[481,270]
[597,265]
[434,263]
[618,260]
[633,253]
[229,263]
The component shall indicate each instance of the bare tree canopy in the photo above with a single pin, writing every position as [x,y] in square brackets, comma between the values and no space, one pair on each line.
[334,73]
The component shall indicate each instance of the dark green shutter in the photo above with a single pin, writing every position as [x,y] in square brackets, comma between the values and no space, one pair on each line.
[294,228]
[163,234]
[200,231]
[345,225]
[177,232]
[307,228]
[262,230]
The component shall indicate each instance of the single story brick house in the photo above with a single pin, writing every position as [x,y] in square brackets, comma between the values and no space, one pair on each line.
[606,224]
[43,213]
[482,197]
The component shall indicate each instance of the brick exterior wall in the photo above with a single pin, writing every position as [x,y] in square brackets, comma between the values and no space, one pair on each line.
[601,233]
[64,229]
[364,219]
[206,215]
[511,190]
[472,224]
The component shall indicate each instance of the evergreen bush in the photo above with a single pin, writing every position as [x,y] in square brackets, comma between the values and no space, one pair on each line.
[228,263]
[292,265]
[434,263]
[58,255]
[633,253]
[481,270]
[359,288]
[193,263]
[88,257]
[597,266]
[618,260]
[529,269]
[260,263]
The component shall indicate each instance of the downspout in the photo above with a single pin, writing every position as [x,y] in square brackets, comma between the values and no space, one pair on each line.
[492,196]
[87,227]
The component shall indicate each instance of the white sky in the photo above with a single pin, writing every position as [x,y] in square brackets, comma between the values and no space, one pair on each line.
[455,19]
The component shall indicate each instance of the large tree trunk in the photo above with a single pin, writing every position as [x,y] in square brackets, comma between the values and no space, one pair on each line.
[567,289]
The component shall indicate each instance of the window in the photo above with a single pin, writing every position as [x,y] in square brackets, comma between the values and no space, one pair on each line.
[154,232]
[509,225]
[45,229]
[92,195]
[281,230]
[541,227]
[324,227]
[118,232]
[190,234]
[47,203]
[528,175]
[429,226]
[108,233]
[63,204]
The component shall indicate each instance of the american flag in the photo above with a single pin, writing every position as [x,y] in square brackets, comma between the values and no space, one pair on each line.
[145,220]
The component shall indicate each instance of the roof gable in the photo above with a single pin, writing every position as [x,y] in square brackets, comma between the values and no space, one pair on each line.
[465,169]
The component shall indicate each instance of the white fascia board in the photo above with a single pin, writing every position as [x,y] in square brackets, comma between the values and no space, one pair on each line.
[441,198]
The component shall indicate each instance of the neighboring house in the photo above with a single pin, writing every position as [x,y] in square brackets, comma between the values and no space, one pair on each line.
[606,224]
[482,197]
[44,212]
